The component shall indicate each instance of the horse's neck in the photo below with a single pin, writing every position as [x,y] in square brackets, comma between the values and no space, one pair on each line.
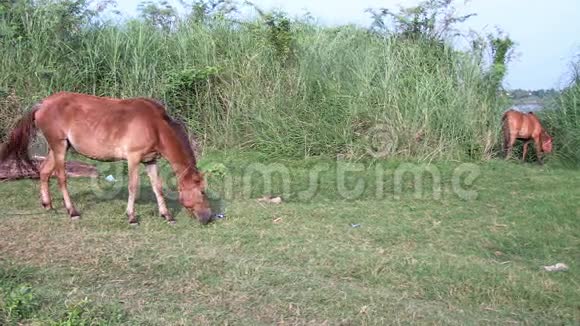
[175,151]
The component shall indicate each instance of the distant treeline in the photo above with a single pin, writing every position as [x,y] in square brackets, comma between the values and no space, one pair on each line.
[517,94]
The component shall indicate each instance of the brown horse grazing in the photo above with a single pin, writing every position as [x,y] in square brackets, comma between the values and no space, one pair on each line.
[137,130]
[527,127]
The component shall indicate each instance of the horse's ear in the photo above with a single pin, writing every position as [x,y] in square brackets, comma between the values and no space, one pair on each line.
[546,136]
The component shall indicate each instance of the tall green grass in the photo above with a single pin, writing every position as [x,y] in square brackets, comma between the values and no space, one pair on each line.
[563,121]
[341,91]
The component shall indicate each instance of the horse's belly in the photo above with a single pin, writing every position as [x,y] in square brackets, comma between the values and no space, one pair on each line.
[97,148]
[524,130]
[523,133]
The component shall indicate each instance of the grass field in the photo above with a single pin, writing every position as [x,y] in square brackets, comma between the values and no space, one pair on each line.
[469,254]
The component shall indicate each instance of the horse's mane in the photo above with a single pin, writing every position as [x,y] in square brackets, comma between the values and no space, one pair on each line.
[183,136]
[544,135]
[157,103]
[178,126]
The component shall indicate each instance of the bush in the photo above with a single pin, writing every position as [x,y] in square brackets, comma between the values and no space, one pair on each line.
[10,108]
[563,122]
[17,304]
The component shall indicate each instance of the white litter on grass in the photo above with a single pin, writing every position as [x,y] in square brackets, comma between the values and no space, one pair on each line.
[270,199]
[559,267]
[110,178]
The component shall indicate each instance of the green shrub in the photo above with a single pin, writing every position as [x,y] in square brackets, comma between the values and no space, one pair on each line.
[17,304]
[563,122]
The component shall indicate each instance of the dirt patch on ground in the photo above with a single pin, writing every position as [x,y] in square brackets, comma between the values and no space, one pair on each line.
[9,170]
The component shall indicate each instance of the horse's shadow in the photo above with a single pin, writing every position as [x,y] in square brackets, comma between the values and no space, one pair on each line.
[145,197]
[90,199]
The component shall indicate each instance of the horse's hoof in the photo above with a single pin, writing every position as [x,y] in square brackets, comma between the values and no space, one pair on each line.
[133,223]
[171,222]
[132,219]
[47,206]
[74,214]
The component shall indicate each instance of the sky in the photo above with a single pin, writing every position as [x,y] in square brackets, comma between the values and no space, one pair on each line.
[547,33]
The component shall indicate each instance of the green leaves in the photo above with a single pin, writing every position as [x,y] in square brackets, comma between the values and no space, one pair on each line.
[430,19]
[158,13]
[18,303]
[214,169]
[183,86]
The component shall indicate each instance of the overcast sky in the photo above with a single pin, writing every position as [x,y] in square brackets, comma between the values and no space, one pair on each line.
[547,33]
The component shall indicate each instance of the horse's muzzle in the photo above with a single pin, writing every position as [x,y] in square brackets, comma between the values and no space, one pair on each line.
[204,217]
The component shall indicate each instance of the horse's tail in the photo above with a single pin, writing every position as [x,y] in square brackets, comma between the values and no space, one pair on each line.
[504,117]
[20,137]
[506,131]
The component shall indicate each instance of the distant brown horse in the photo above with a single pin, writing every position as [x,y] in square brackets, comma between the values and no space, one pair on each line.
[527,127]
[137,130]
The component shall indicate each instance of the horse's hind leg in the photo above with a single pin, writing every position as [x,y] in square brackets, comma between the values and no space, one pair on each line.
[157,186]
[46,170]
[59,152]
[509,146]
[506,140]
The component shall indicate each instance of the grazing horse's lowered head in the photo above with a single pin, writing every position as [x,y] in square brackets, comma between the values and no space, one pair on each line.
[546,142]
[190,181]
[192,195]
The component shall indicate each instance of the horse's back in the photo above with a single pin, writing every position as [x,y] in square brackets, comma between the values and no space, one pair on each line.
[68,108]
[102,127]
[523,125]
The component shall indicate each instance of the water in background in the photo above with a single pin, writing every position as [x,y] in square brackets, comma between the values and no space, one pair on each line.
[528,107]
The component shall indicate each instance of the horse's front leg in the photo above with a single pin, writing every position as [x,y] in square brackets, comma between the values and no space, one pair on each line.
[133,167]
[539,152]
[157,186]
[525,150]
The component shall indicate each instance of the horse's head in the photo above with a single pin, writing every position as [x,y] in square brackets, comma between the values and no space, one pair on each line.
[192,196]
[546,142]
